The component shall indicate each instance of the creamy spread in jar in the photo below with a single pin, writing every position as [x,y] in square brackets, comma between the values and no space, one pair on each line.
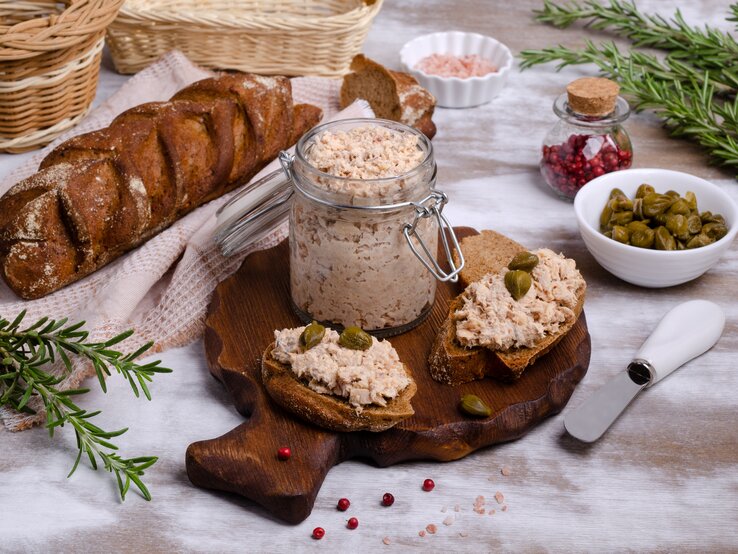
[489,316]
[363,377]
[353,266]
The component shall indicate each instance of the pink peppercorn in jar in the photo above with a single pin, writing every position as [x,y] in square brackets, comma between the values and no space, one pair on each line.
[588,140]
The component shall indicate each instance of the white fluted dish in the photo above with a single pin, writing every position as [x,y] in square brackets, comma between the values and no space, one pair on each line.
[641,266]
[452,92]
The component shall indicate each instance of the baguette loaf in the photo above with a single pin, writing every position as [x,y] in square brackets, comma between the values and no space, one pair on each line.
[391,94]
[100,194]
[452,363]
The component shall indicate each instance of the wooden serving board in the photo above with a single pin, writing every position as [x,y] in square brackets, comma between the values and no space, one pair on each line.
[245,310]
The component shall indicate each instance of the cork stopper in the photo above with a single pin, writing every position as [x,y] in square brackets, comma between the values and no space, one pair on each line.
[593,96]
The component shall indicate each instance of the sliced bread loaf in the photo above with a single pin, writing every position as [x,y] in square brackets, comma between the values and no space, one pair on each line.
[391,94]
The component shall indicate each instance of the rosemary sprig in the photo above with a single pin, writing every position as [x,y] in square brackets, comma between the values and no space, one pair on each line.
[23,355]
[706,48]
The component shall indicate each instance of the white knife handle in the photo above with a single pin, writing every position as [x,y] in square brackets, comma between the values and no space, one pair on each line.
[687,331]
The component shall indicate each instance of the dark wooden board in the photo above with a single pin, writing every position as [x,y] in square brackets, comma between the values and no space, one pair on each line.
[245,310]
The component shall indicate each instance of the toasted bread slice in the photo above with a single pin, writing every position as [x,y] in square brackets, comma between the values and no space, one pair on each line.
[452,363]
[328,411]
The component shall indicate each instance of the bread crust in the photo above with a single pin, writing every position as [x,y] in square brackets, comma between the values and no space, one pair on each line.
[453,364]
[101,194]
[328,411]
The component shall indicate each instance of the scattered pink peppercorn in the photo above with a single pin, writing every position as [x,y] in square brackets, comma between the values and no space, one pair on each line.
[388,499]
[428,485]
[318,533]
[352,523]
[284,453]
[343,504]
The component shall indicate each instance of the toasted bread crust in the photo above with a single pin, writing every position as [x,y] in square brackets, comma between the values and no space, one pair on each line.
[327,411]
[452,363]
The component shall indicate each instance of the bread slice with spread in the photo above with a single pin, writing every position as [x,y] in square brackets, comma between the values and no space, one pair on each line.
[516,307]
[346,382]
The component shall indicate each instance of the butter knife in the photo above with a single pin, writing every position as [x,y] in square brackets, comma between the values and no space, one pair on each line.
[688,330]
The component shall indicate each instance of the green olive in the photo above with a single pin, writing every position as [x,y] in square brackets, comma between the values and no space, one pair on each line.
[663,239]
[643,239]
[694,224]
[680,207]
[524,260]
[312,335]
[621,234]
[715,231]
[472,405]
[654,204]
[517,282]
[700,240]
[355,338]
[643,190]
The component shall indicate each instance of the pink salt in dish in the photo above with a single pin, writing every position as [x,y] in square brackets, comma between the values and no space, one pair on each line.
[461,67]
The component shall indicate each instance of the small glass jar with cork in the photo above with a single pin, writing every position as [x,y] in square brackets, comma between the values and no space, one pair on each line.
[589,139]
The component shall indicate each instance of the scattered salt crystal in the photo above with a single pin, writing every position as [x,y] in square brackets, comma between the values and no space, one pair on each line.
[449,520]
[492,512]
[421,533]
[480,511]
[505,471]
[431,528]
[499,497]
[386,540]
[463,534]
[457,508]
[443,510]
[504,508]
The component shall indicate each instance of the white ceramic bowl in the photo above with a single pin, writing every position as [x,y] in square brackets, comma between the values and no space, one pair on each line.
[452,92]
[645,267]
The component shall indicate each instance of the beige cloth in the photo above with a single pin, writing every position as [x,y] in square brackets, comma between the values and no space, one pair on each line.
[162,288]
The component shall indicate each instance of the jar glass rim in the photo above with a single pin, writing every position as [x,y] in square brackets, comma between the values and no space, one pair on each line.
[562,109]
[304,141]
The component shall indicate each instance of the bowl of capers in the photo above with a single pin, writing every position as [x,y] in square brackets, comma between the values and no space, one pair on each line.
[655,227]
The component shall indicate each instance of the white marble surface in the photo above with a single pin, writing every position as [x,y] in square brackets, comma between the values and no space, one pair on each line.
[665,477]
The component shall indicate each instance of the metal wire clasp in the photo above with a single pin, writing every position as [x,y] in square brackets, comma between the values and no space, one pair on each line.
[432,206]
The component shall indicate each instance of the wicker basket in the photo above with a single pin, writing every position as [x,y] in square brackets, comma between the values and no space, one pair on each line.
[49,61]
[287,37]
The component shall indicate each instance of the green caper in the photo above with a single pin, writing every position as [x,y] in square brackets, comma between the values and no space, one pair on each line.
[517,282]
[621,234]
[654,204]
[312,335]
[700,240]
[680,207]
[636,225]
[677,226]
[472,405]
[691,199]
[621,204]
[673,194]
[694,224]
[638,208]
[643,190]
[659,219]
[715,231]
[620,218]
[524,260]
[615,193]
[605,216]
[681,245]
[643,239]
[709,217]
[663,239]
[355,338]
[608,234]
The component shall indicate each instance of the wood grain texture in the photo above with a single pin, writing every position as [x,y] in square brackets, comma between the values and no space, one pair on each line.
[245,310]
